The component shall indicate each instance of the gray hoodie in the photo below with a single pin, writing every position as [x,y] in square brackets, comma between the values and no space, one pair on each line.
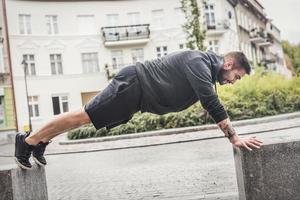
[176,81]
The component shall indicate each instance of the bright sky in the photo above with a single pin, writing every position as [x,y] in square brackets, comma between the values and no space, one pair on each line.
[286,16]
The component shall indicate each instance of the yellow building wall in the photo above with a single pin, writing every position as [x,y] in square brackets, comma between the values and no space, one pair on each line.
[8,110]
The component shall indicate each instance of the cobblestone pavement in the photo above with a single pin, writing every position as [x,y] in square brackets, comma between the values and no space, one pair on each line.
[183,171]
[193,170]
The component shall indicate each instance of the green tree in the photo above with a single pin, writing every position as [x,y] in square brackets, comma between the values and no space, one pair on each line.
[292,54]
[193,26]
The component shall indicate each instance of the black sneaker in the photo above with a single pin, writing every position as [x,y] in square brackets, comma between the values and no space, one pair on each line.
[38,153]
[23,151]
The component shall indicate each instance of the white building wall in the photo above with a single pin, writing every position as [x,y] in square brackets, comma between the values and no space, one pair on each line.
[227,37]
[71,42]
[2,66]
[276,49]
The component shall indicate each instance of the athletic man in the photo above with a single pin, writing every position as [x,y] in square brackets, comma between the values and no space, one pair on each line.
[168,84]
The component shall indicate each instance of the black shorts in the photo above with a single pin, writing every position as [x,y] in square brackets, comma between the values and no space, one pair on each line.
[117,103]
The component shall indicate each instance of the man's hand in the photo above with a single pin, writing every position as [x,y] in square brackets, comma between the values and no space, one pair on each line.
[229,132]
[247,143]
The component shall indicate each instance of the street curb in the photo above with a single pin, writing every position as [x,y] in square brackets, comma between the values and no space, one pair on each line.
[182,130]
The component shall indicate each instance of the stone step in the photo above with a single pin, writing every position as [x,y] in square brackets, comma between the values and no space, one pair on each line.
[20,184]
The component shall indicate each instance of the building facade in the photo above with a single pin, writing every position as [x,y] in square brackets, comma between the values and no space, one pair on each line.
[61,49]
[220,26]
[258,37]
[65,53]
[274,59]
[7,110]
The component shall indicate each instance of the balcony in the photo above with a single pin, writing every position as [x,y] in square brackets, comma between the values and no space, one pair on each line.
[260,37]
[269,58]
[217,27]
[257,6]
[125,35]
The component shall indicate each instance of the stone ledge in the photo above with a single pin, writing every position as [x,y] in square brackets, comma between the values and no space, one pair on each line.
[20,184]
[273,172]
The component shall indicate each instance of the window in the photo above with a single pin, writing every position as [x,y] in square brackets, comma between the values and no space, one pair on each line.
[60,104]
[56,64]
[2,114]
[161,51]
[133,18]
[29,64]
[137,55]
[181,46]
[158,18]
[2,66]
[25,24]
[112,19]
[86,24]
[239,17]
[33,106]
[117,59]
[243,18]
[249,52]
[250,24]
[210,16]
[51,23]
[246,25]
[180,17]
[213,45]
[90,62]
[229,14]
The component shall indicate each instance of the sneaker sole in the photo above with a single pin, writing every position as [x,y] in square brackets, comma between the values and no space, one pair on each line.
[22,166]
[38,162]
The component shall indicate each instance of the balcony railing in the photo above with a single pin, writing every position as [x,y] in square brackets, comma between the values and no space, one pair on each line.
[125,33]
[269,58]
[217,25]
[260,37]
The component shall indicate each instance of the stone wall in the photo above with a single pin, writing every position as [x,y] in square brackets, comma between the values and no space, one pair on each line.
[19,184]
[270,173]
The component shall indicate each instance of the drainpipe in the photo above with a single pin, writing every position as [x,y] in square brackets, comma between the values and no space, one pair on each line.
[9,61]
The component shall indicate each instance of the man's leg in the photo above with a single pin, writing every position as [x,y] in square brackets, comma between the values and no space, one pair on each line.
[36,142]
[113,106]
[59,124]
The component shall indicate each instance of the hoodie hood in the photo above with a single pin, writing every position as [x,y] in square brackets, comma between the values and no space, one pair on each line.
[216,64]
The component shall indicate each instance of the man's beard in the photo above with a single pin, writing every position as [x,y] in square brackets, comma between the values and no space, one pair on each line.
[221,78]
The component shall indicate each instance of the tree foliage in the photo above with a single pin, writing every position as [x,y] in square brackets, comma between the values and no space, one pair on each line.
[193,26]
[292,56]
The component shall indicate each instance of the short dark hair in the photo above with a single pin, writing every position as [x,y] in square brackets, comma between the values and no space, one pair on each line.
[240,60]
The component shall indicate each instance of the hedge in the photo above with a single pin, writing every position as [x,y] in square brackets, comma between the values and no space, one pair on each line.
[254,96]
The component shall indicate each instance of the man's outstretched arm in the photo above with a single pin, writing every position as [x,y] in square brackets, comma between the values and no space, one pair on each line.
[201,82]
[248,143]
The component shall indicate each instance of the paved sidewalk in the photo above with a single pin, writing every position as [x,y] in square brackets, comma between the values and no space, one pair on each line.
[193,170]
[186,166]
